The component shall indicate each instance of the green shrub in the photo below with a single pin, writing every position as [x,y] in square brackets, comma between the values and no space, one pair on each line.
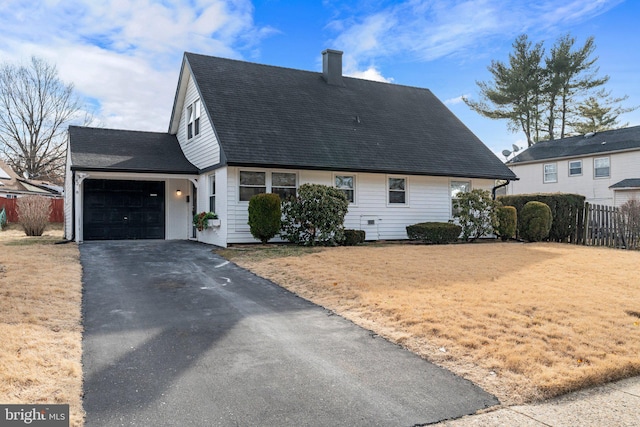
[265,215]
[33,214]
[475,211]
[353,237]
[507,218]
[314,216]
[535,221]
[566,209]
[434,232]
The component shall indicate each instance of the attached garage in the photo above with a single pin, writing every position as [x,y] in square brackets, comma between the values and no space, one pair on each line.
[116,209]
[125,185]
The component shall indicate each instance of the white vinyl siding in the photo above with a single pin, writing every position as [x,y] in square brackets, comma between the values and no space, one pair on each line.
[204,150]
[623,165]
[429,201]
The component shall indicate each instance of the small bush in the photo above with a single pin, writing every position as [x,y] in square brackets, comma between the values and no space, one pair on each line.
[507,218]
[353,237]
[314,216]
[265,216]
[434,232]
[535,221]
[33,214]
[475,211]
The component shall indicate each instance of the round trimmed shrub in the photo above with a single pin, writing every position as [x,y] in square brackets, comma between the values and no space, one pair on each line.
[507,217]
[353,237]
[535,221]
[265,216]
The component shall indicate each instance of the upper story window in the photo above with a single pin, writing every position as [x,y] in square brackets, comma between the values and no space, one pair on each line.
[212,193]
[575,167]
[550,172]
[347,184]
[601,167]
[457,187]
[397,191]
[252,183]
[193,119]
[284,184]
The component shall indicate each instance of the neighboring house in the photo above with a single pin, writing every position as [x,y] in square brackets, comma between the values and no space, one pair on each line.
[12,186]
[604,167]
[238,129]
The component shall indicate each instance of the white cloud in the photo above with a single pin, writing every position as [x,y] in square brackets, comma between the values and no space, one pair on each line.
[370,73]
[457,99]
[125,55]
[430,29]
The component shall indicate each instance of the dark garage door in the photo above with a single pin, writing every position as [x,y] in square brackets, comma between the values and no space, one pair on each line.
[115,210]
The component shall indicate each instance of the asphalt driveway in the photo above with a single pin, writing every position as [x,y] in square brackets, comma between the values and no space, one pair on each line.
[176,336]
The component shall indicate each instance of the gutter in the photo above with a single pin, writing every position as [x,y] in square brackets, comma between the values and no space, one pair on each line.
[494,189]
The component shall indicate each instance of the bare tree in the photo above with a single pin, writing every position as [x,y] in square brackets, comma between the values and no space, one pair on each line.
[35,106]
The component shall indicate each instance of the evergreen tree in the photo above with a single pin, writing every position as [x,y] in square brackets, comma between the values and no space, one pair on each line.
[597,114]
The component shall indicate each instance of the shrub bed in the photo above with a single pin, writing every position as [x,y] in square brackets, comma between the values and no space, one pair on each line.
[434,232]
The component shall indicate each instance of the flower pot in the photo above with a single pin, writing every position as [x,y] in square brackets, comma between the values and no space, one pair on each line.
[214,222]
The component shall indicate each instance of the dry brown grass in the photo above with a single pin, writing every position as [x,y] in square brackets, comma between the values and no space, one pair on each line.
[524,322]
[40,321]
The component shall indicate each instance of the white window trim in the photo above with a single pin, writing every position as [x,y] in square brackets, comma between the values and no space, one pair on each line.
[594,167]
[270,179]
[544,173]
[355,185]
[581,168]
[451,198]
[406,191]
[267,179]
[193,113]
[212,194]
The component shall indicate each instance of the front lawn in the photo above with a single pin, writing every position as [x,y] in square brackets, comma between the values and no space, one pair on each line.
[40,321]
[523,321]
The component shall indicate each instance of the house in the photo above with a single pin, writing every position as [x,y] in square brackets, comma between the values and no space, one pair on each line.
[238,129]
[12,186]
[604,167]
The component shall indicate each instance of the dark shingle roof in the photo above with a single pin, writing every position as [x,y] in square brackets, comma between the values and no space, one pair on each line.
[627,183]
[575,146]
[126,151]
[272,116]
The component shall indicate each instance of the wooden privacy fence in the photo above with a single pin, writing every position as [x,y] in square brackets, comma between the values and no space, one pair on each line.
[10,205]
[609,226]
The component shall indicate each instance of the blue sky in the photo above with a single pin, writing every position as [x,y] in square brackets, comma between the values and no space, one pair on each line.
[124,56]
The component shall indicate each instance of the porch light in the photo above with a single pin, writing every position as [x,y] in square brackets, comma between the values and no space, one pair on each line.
[178,193]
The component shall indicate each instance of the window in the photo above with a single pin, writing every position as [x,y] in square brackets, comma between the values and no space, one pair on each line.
[397,191]
[251,183]
[601,167]
[575,168]
[212,193]
[346,184]
[550,173]
[456,188]
[283,184]
[193,120]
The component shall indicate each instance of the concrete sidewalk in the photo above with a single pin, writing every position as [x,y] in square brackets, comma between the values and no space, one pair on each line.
[613,405]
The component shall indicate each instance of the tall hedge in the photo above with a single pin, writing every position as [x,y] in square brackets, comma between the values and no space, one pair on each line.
[565,209]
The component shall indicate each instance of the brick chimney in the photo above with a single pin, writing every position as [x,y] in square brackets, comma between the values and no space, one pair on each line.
[332,67]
